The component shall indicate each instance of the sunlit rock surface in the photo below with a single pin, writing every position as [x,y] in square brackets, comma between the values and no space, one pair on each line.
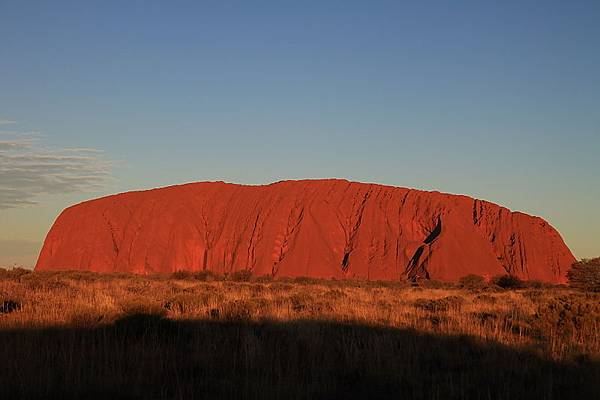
[316,228]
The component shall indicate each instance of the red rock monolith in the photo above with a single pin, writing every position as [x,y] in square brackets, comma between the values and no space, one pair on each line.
[315,228]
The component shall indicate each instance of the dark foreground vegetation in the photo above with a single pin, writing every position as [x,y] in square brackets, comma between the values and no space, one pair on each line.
[142,356]
[92,336]
[585,275]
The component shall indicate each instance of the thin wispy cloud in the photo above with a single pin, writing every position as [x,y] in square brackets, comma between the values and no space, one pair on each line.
[29,169]
[7,121]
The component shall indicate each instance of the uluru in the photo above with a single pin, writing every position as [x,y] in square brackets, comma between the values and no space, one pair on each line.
[316,228]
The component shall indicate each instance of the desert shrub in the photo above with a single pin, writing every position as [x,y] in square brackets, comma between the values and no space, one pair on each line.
[434,284]
[398,284]
[243,275]
[535,284]
[44,281]
[279,286]
[485,298]
[183,304]
[305,303]
[516,321]
[13,273]
[265,278]
[19,272]
[181,274]
[471,281]
[485,316]
[206,276]
[585,275]
[319,309]
[115,276]
[257,290]
[508,282]
[9,306]
[140,287]
[443,304]
[192,302]
[568,321]
[304,280]
[237,310]
[84,276]
[300,301]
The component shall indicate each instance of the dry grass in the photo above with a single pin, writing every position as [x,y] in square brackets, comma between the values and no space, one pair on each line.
[328,338]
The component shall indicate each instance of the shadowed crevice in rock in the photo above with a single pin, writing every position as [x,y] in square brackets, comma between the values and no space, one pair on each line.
[417,268]
[435,232]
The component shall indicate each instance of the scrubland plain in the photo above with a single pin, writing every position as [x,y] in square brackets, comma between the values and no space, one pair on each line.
[88,335]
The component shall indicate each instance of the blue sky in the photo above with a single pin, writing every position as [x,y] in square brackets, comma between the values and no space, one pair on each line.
[497,100]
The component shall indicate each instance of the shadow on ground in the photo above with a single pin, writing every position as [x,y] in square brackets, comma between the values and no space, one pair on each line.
[147,357]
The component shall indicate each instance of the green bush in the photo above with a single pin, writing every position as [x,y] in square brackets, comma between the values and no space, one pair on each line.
[585,275]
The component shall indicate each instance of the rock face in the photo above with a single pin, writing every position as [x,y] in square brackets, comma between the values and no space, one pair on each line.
[315,228]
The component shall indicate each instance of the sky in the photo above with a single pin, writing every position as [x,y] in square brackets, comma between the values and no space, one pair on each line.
[496,100]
